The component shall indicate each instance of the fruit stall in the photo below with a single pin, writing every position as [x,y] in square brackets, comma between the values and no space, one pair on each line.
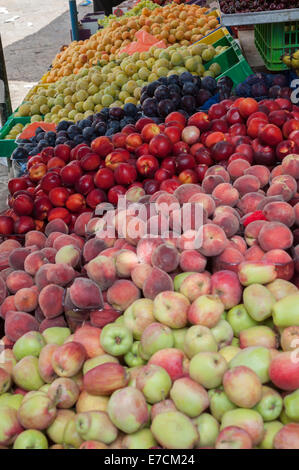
[149,252]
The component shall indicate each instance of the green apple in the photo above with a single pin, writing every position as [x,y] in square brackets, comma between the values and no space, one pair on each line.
[286,311]
[154,382]
[258,301]
[189,397]
[142,439]
[96,425]
[37,411]
[291,405]
[256,358]
[219,403]
[171,308]
[138,316]
[179,338]
[133,358]
[56,335]
[199,338]
[223,333]
[208,430]
[179,278]
[30,344]
[98,360]
[208,368]
[270,405]
[155,337]
[128,410]
[56,430]
[165,428]
[9,425]
[31,439]
[228,352]
[45,388]
[71,439]
[258,336]
[120,320]
[281,288]
[239,319]
[271,429]
[235,342]
[249,420]
[284,418]
[256,273]
[26,375]
[116,340]
[11,400]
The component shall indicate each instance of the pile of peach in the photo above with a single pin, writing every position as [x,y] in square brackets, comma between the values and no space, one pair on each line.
[183,24]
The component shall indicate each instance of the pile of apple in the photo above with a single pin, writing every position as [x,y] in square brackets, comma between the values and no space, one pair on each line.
[63,182]
[117,341]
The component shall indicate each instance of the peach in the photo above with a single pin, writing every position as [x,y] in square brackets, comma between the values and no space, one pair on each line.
[205,200]
[165,257]
[247,184]
[184,192]
[81,223]
[33,262]
[226,194]
[122,294]
[218,170]
[166,203]
[100,318]
[41,279]
[290,165]
[254,253]
[189,240]
[261,172]
[228,222]
[94,225]
[283,262]
[3,290]
[296,210]
[195,285]
[34,237]
[211,182]
[52,322]
[17,257]
[156,226]
[51,300]
[192,260]
[102,270]
[213,240]
[229,259]
[89,338]
[283,236]
[26,299]
[56,225]
[51,239]
[140,273]
[68,254]
[19,323]
[250,202]
[93,248]
[157,281]
[237,168]
[280,212]
[7,305]
[239,243]
[60,274]
[145,248]
[66,240]
[226,285]
[125,262]
[252,231]
[226,210]
[206,310]
[38,314]
[85,294]
[9,245]
[18,280]
[49,253]
[5,273]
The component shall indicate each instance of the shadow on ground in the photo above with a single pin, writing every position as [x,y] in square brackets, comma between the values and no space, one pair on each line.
[27,60]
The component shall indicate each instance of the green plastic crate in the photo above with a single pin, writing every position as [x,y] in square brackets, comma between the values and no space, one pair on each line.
[232,63]
[273,40]
[8,146]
